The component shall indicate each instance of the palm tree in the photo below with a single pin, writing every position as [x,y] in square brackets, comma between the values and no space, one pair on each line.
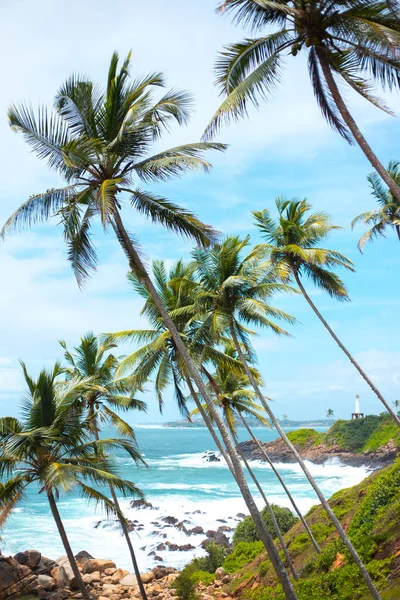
[330,413]
[160,355]
[342,40]
[231,295]
[50,448]
[92,359]
[232,395]
[293,246]
[389,213]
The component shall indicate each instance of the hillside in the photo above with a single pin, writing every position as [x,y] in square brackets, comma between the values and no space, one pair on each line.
[373,441]
[369,512]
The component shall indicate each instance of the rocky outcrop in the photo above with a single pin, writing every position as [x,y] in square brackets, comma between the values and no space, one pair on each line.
[15,579]
[321,453]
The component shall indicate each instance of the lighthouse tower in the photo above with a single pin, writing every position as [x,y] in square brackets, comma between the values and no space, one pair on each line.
[357,414]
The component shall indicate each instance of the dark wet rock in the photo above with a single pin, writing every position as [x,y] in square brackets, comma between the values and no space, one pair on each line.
[181,527]
[172,547]
[241,515]
[161,547]
[221,520]
[45,566]
[196,530]
[152,553]
[211,457]
[30,558]
[142,504]
[143,548]
[161,571]
[216,536]
[198,512]
[159,558]
[225,528]
[170,520]
[186,548]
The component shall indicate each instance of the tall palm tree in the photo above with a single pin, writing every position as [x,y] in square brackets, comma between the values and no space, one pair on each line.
[293,245]
[330,413]
[231,388]
[93,359]
[161,355]
[232,395]
[230,296]
[388,215]
[51,449]
[343,40]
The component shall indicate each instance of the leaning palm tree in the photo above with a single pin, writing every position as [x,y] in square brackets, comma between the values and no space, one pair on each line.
[293,245]
[232,296]
[388,215]
[330,413]
[93,359]
[99,143]
[344,42]
[159,356]
[50,448]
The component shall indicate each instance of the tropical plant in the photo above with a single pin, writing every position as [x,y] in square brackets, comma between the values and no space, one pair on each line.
[232,294]
[330,414]
[93,359]
[160,355]
[388,215]
[293,245]
[246,532]
[343,41]
[51,449]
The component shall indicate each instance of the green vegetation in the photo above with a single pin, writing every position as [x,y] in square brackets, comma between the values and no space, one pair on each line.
[370,511]
[247,532]
[304,437]
[200,569]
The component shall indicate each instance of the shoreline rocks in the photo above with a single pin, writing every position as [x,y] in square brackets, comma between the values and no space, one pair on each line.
[320,454]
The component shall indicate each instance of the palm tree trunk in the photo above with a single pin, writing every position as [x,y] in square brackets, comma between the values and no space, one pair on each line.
[322,499]
[278,475]
[352,125]
[125,532]
[139,270]
[344,349]
[57,518]
[269,508]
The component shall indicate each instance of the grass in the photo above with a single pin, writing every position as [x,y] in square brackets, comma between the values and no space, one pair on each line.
[304,437]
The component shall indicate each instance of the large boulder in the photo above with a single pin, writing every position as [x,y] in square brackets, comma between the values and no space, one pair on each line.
[129,580]
[82,557]
[148,577]
[15,579]
[30,558]
[98,564]
[47,583]
[64,576]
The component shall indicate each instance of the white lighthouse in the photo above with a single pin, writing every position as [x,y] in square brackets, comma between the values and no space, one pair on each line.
[357,414]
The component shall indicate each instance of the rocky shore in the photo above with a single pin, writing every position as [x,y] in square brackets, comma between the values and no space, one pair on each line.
[320,453]
[30,574]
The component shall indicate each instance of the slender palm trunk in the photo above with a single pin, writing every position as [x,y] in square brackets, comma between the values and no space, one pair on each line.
[322,499]
[347,353]
[63,535]
[352,125]
[126,533]
[139,269]
[269,508]
[278,475]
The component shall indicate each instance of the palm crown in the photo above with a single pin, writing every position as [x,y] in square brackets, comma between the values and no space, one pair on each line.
[100,142]
[50,446]
[350,38]
[293,245]
[389,212]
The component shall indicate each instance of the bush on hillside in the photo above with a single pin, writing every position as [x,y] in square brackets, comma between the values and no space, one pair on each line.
[246,530]
[354,435]
[303,437]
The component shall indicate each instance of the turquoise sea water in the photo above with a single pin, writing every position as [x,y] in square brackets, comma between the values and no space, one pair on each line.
[178,481]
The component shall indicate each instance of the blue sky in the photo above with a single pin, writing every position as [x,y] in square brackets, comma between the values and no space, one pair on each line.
[285,148]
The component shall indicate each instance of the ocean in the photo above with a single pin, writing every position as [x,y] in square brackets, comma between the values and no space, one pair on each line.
[178,482]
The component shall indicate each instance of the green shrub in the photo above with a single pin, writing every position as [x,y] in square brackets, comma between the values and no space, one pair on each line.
[207,564]
[246,530]
[354,435]
[243,553]
[185,586]
[203,576]
[303,437]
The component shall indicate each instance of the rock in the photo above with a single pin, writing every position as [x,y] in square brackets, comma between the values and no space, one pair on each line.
[186,547]
[172,547]
[102,598]
[161,571]
[221,520]
[64,575]
[196,530]
[47,582]
[30,558]
[45,566]
[241,516]
[82,557]
[225,579]
[159,558]
[224,528]
[129,580]
[90,578]
[15,579]
[141,504]
[220,573]
[216,536]
[98,564]
[161,547]
[110,571]
[148,577]
[170,520]
[211,457]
